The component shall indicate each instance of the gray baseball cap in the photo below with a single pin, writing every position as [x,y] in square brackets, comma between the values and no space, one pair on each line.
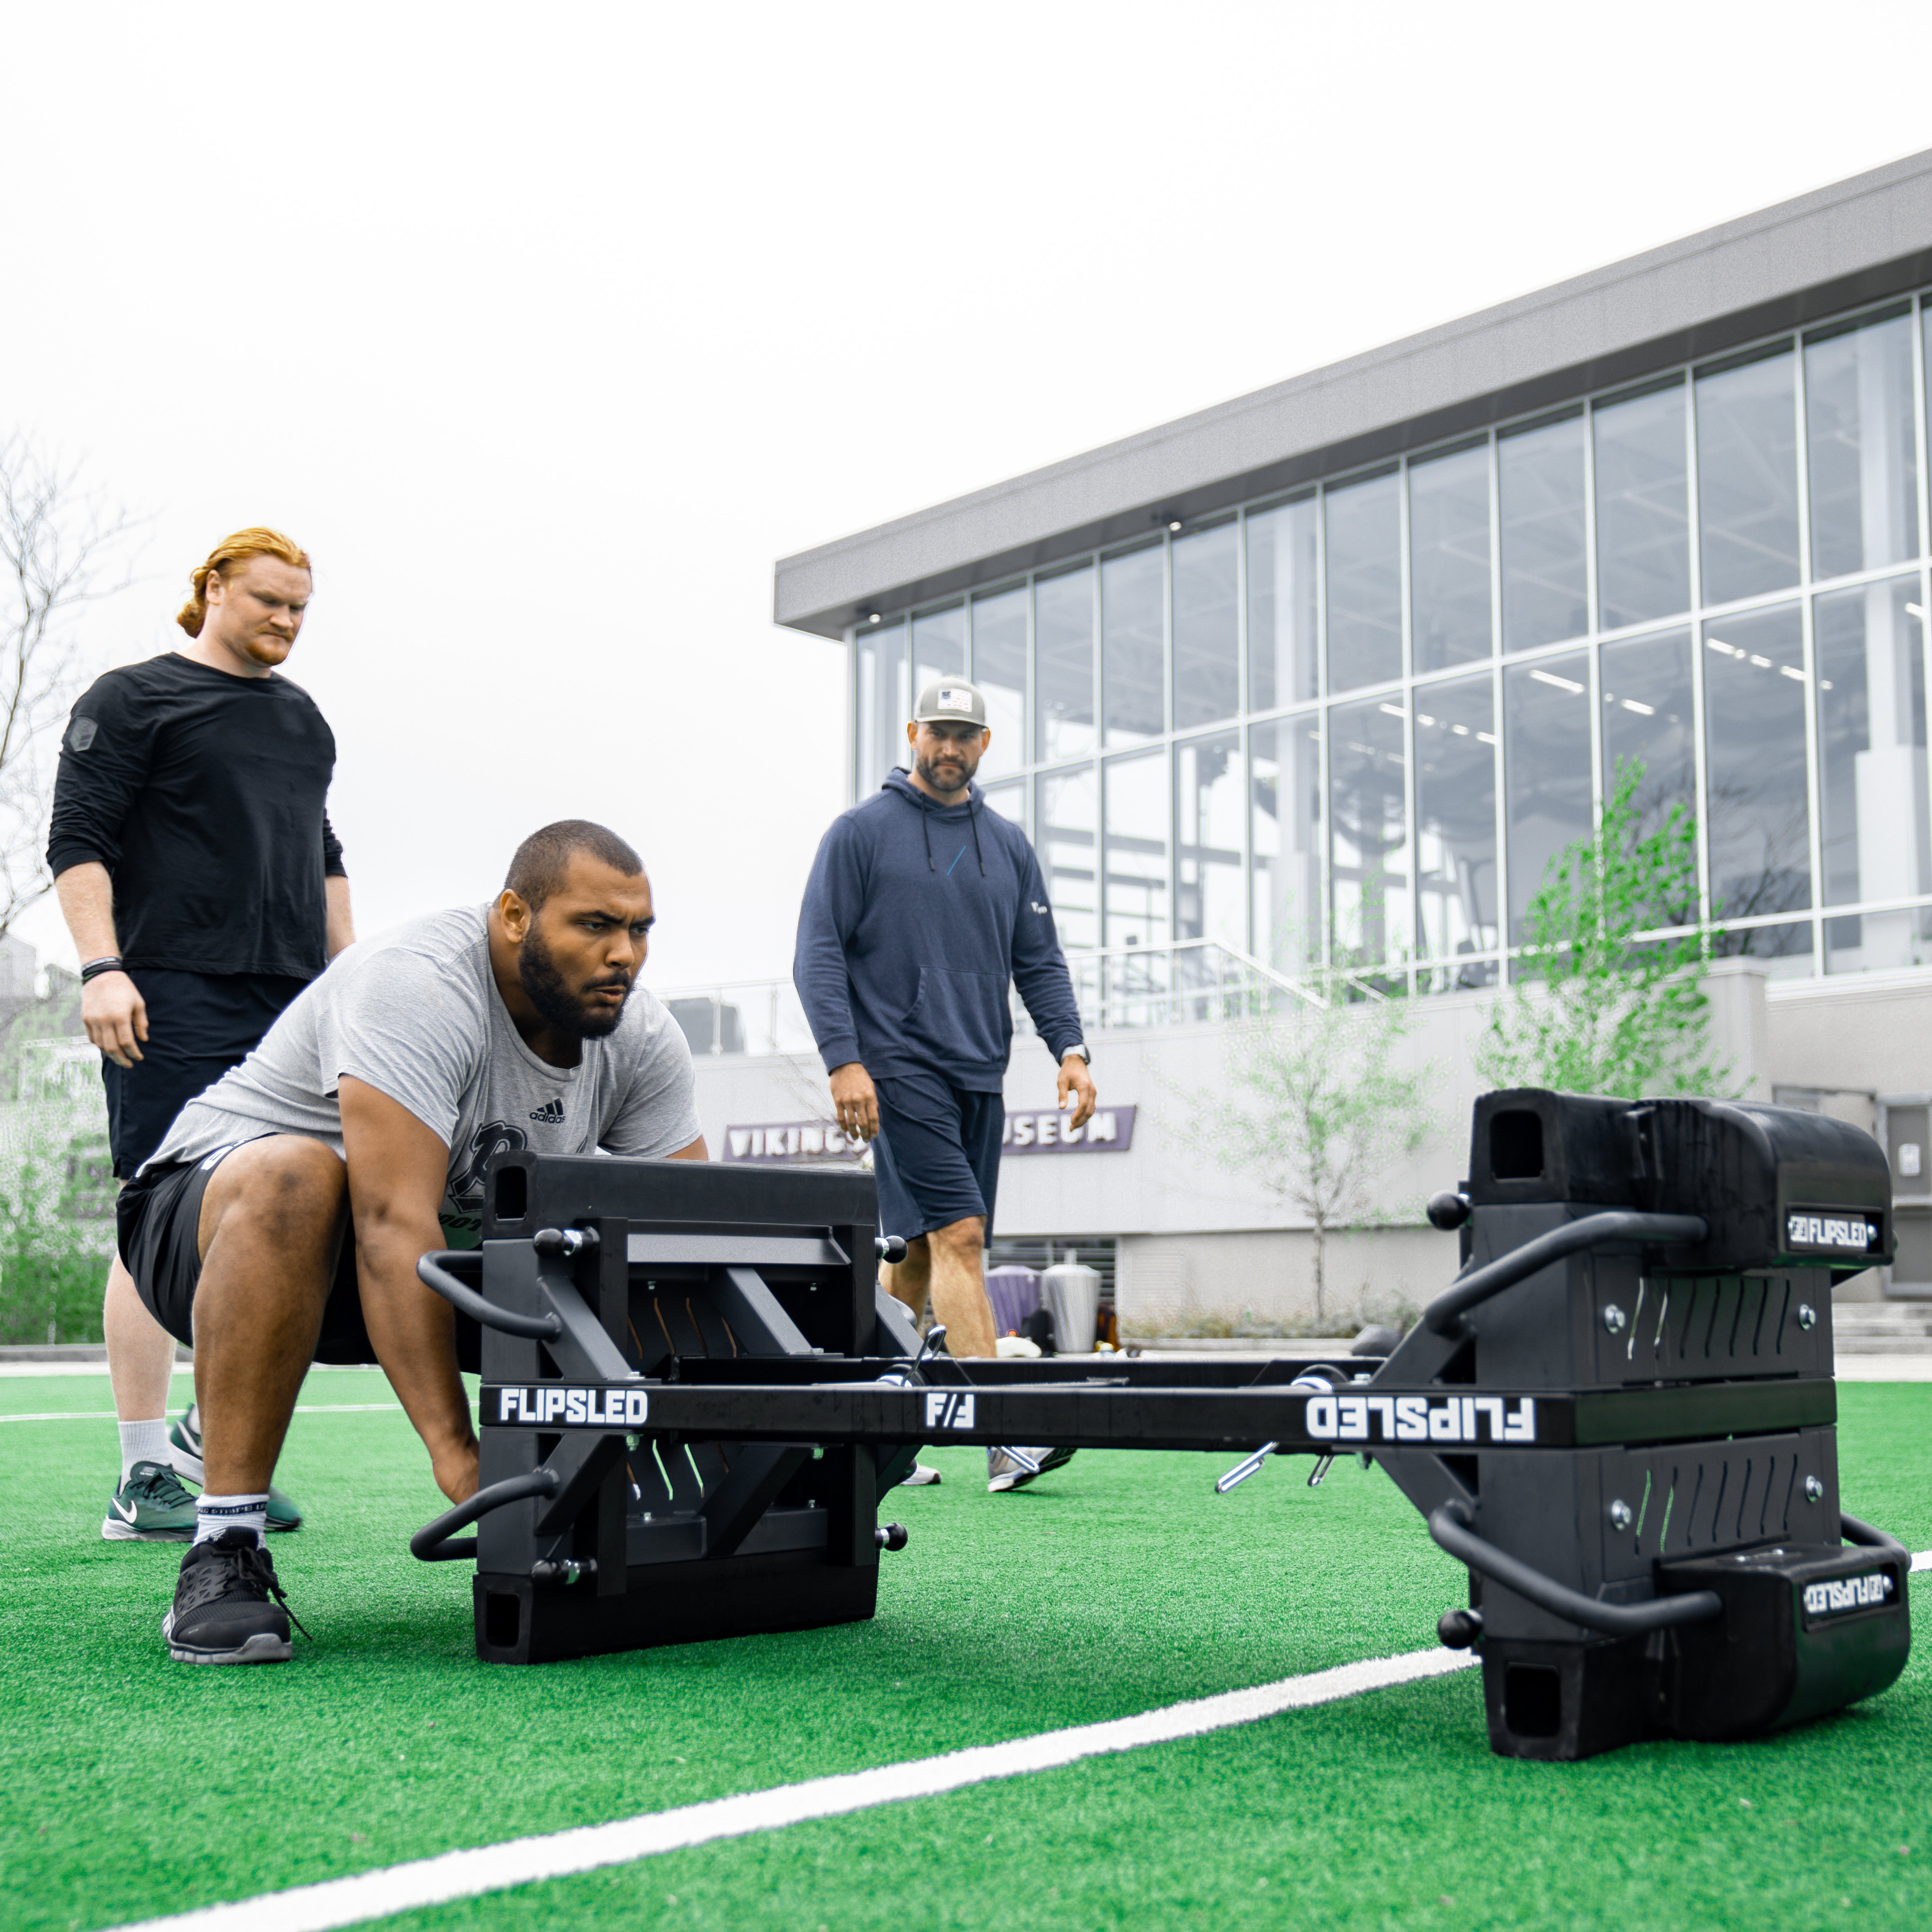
[952,701]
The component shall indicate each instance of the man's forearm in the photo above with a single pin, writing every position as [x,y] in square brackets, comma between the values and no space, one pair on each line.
[413,1329]
[341,921]
[86,895]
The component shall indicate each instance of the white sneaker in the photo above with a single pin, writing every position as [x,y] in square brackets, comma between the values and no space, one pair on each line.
[920,1478]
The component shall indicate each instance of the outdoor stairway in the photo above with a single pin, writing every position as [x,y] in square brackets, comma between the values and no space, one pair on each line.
[1883,1327]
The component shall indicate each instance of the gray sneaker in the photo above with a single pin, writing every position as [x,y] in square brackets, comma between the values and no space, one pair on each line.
[150,1507]
[1012,1468]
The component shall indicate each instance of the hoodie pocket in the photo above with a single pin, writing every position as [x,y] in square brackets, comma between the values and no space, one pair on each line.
[960,1017]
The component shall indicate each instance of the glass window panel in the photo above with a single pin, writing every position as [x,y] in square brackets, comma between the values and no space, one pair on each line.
[1540,482]
[1546,765]
[1136,850]
[1760,819]
[1282,610]
[1455,821]
[1868,645]
[1449,558]
[1783,951]
[1286,759]
[1066,819]
[1747,478]
[1364,582]
[1210,796]
[1643,518]
[938,646]
[1207,677]
[884,703]
[1646,683]
[1369,862]
[1062,620]
[1131,629]
[1008,800]
[1863,459]
[999,669]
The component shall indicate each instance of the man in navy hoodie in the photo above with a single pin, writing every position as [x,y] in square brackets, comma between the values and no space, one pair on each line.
[922,908]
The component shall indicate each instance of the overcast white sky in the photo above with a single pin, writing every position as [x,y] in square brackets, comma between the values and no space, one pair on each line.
[547,330]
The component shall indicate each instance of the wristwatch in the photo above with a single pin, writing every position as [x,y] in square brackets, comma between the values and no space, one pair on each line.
[1080,1048]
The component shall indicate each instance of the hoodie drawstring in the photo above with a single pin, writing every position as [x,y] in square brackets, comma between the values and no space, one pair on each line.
[925,832]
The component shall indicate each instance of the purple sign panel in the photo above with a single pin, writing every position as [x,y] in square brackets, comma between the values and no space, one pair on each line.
[1110,1131]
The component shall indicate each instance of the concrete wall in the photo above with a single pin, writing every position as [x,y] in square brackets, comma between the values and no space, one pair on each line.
[1196,1239]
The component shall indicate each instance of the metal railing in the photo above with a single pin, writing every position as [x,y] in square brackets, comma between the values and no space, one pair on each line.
[1189,983]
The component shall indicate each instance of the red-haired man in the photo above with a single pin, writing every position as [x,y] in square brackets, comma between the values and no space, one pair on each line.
[204,888]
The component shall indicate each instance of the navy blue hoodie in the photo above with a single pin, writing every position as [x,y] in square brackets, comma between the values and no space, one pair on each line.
[916,917]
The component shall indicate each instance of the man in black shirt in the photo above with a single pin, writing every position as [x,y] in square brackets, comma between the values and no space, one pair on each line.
[194,862]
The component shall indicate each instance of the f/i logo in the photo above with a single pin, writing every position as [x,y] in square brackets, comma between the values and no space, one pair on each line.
[948,1410]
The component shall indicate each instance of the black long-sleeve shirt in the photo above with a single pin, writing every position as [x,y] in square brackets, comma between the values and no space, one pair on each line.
[202,794]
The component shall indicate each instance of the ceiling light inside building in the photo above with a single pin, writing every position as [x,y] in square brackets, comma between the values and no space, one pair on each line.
[1568,684]
[1174,525]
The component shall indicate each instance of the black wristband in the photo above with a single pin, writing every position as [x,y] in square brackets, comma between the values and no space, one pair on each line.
[92,969]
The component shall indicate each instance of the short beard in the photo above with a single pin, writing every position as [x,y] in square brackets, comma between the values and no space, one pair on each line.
[928,769]
[536,968]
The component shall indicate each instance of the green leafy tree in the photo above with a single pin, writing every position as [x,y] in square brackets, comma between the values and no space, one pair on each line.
[1598,1009]
[1315,1105]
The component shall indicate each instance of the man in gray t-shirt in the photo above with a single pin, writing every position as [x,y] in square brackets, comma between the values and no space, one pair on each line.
[281,1218]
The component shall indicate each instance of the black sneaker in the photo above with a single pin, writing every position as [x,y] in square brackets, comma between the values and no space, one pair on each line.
[222,1613]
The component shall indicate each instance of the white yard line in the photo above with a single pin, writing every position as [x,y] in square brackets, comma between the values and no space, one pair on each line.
[468,1874]
[301,1408]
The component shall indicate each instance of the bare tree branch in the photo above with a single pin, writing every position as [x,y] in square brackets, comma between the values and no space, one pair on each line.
[62,545]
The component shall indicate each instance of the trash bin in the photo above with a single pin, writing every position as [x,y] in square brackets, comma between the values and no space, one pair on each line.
[1073,1294]
[1014,1292]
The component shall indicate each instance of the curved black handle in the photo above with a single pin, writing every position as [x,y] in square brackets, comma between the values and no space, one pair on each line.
[433,1271]
[431,1544]
[1593,1230]
[1855,1531]
[1449,1524]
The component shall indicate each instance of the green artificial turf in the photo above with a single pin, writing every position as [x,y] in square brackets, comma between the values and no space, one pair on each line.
[131,1786]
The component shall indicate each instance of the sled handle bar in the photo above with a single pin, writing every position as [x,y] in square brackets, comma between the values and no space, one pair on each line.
[1449,1524]
[433,1271]
[1593,1230]
[432,1544]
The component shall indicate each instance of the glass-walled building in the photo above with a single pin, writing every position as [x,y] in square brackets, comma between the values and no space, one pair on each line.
[1335,671]
[1363,716]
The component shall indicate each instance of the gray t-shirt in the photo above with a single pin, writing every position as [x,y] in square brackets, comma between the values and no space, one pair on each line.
[416,1015]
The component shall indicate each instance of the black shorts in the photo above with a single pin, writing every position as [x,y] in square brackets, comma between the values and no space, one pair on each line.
[936,1159]
[199,1025]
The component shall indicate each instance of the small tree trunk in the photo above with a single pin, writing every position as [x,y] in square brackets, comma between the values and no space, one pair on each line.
[1320,1236]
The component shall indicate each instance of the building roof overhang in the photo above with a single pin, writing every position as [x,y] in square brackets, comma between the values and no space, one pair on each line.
[1858,241]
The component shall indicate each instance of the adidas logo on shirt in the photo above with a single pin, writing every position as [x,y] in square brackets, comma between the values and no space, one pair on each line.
[550,1114]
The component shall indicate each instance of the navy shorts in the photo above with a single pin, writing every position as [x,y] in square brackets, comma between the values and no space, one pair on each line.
[199,1025]
[936,1159]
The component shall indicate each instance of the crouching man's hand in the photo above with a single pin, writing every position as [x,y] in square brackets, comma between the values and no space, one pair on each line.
[455,1467]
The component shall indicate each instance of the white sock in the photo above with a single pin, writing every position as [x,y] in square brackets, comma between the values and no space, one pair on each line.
[145,1442]
[213,1514]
